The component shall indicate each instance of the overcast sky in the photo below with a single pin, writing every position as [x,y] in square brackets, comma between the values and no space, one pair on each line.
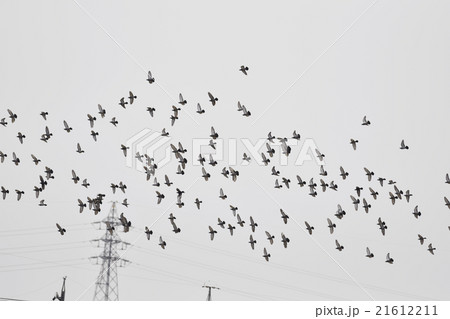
[315,66]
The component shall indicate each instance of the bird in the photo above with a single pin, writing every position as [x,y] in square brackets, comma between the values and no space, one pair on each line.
[338,246]
[212,99]
[447,179]
[320,156]
[101,111]
[67,128]
[355,202]
[123,103]
[162,243]
[124,149]
[150,78]
[37,191]
[408,195]
[212,232]
[245,157]
[266,255]
[164,132]
[431,249]
[392,198]
[343,174]
[264,159]
[416,212]
[214,134]
[131,97]
[243,69]
[270,150]
[398,192]
[85,183]
[221,223]
[295,135]
[125,223]
[286,181]
[331,225]
[60,229]
[159,196]
[353,143]
[368,253]
[382,226]
[233,209]
[421,239]
[284,216]
[197,203]
[403,146]
[79,150]
[252,242]
[19,194]
[199,109]
[340,212]
[234,174]
[15,159]
[4,192]
[222,195]
[389,259]
[35,159]
[284,240]
[277,185]
[240,221]
[182,101]
[42,203]
[447,202]
[300,181]
[205,174]
[270,138]
[114,121]
[12,116]
[3,122]
[358,190]
[21,137]
[253,225]
[125,203]
[323,185]
[366,206]
[81,205]
[373,193]
[75,178]
[91,120]
[365,121]
[231,228]
[269,237]
[369,174]
[323,172]
[381,180]
[110,228]
[94,135]
[175,229]
[2,156]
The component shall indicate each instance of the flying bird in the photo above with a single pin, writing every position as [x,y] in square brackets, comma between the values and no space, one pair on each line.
[243,69]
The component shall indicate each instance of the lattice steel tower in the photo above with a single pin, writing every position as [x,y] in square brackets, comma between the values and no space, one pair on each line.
[107,284]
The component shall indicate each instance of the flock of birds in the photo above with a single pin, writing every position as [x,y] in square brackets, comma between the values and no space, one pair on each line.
[94,203]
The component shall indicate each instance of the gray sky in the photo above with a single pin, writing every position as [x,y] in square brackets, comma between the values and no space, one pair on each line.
[391,65]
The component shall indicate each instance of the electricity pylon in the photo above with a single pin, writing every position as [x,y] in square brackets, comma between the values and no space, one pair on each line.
[107,284]
[209,291]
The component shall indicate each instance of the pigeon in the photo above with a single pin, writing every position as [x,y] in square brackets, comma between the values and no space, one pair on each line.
[221,223]
[131,97]
[212,232]
[358,190]
[60,229]
[67,128]
[20,136]
[233,209]
[323,172]
[252,242]
[213,135]
[123,103]
[79,150]
[269,237]
[369,174]
[270,138]
[245,157]
[37,191]
[234,174]
[3,122]
[91,120]
[114,122]
[266,255]
[447,202]
[431,249]
[110,228]
[270,150]
[284,216]
[205,175]
[94,135]
[373,193]
[175,229]
[339,246]
[343,174]
[381,180]
[231,228]
[2,156]
[243,69]
[253,225]
[222,195]
[392,198]
[4,192]
[124,149]
[75,178]
[264,159]
[85,183]
[199,109]
[125,223]
[19,194]
[295,135]
[197,203]
[212,99]
[366,206]
[355,201]
[353,143]
[12,116]
[331,225]
[365,121]
[403,146]
[340,212]
[323,185]
[408,195]
[382,226]
[35,159]
[150,78]
[182,100]
[15,159]
[300,181]
[398,192]
[368,253]
[389,259]
[125,203]
[101,111]
[277,185]
[320,156]
[160,197]
[81,205]
[240,221]
[164,132]
[42,203]
[416,212]
[447,179]
[162,243]
[284,240]
[286,182]
[421,239]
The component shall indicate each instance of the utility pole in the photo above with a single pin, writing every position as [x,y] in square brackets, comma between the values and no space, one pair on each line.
[209,291]
[107,284]
[63,291]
